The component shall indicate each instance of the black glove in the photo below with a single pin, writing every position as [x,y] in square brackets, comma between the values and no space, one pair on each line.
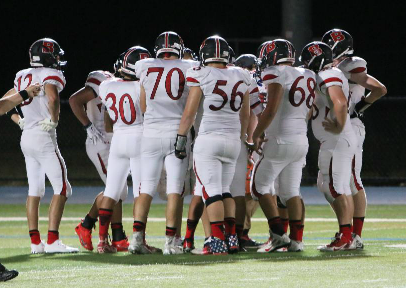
[359,109]
[180,146]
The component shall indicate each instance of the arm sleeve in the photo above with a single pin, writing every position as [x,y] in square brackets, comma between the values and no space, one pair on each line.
[54,77]
[273,75]
[94,79]
[195,76]
[328,78]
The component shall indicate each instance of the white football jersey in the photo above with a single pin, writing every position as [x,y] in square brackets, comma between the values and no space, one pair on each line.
[223,91]
[323,106]
[37,109]
[94,108]
[166,92]
[255,102]
[348,66]
[299,84]
[122,101]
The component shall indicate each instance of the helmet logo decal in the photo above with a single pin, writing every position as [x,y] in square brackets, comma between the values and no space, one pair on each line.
[47,47]
[268,48]
[144,55]
[337,36]
[315,50]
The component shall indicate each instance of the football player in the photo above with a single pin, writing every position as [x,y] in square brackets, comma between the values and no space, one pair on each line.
[332,127]
[122,100]
[290,97]
[249,63]
[89,110]
[163,98]
[225,94]
[189,54]
[39,145]
[355,70]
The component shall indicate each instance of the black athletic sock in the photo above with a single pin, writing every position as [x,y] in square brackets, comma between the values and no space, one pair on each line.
[89,222]
[118,232]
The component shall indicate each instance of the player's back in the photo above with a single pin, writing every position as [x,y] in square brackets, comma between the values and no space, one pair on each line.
[166,92]
[122,101]
[323,106]
[94,108]
[223,91]
[37,109]
[299,84]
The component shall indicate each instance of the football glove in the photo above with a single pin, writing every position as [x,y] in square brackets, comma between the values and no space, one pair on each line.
[93,133]
[21,123]
[180,146]
[47,124]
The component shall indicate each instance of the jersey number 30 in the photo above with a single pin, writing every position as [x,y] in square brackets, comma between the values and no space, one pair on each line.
[123,107]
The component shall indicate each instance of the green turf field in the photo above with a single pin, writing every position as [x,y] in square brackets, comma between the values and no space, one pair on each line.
[376,266]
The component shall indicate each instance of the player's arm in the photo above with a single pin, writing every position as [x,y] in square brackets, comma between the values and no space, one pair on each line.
[251,125]
[245,115]
[275,94]
[368,82]
[53,100]
[188,117]
[143,100]
[340,110]
[108,123]
[12,98]
[78,101]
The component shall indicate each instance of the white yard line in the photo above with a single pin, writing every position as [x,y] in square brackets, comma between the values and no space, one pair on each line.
[369,220]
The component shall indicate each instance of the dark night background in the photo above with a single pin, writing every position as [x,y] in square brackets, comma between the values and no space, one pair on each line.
[94,33]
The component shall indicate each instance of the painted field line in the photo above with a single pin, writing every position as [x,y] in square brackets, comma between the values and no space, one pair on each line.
[370,220]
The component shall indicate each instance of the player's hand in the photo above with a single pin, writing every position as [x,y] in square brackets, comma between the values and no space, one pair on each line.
[94,134]
[331,126]
[21,123]
[250,147]
[47,124]
[33,90]
[258,141]
[180,146]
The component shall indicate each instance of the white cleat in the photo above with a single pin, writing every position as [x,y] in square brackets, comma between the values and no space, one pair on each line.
[38,249]
[137,244]
[178,241]
[276,243]
[59,247]
[171,247]
[357,242]
[295,246]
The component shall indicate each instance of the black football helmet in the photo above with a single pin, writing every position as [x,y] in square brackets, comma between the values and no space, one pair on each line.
[316,56]
[168,42]
[231,60]
[46,52]
[118,64]
[277,51]
[131,56]
[191,53]
[214,49]
[340,41]
[247,61]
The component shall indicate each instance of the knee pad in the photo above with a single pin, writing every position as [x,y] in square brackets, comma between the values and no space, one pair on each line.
[227,195]
[323,186]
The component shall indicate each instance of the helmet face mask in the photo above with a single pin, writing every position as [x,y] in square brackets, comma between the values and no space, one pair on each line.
[340,41]
[127,60]
[168,42]
[46,52]
[214,49]
[317,56]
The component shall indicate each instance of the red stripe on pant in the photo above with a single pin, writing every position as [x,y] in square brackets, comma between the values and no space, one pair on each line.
[331,183]
[204,193]
[63,192]
[359,187]
[102,164]
[254,189]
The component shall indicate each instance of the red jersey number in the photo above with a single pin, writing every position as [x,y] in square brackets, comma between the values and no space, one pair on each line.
[295,88]
[29,77]
[168,81]
[234,95]
[124,104]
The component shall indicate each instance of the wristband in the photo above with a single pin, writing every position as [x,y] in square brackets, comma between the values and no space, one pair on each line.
[87,126]
[361,106]
[24,94]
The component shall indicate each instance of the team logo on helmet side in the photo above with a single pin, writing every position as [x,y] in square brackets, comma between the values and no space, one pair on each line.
[337,36]
[144,55]
[47,47]
[315,50]
[267,48]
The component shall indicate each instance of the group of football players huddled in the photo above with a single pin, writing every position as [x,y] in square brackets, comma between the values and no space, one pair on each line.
[234,129]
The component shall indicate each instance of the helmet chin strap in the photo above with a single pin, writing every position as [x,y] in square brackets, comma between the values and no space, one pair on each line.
[346,51]
[321,64]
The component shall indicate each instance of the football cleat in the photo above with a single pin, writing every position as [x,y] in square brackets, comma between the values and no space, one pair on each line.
[206,248]
[295,246]
[232,244]
[171,247]
[154,250]
[59,247]
[105,247]
[188,245]
[357,240]
[6,275]
[218,246]
[85,237]
[248,243]
[38,249]
[340,242]
[138,245]
[266,243]
[178,241]
[276,243]
[122,245]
